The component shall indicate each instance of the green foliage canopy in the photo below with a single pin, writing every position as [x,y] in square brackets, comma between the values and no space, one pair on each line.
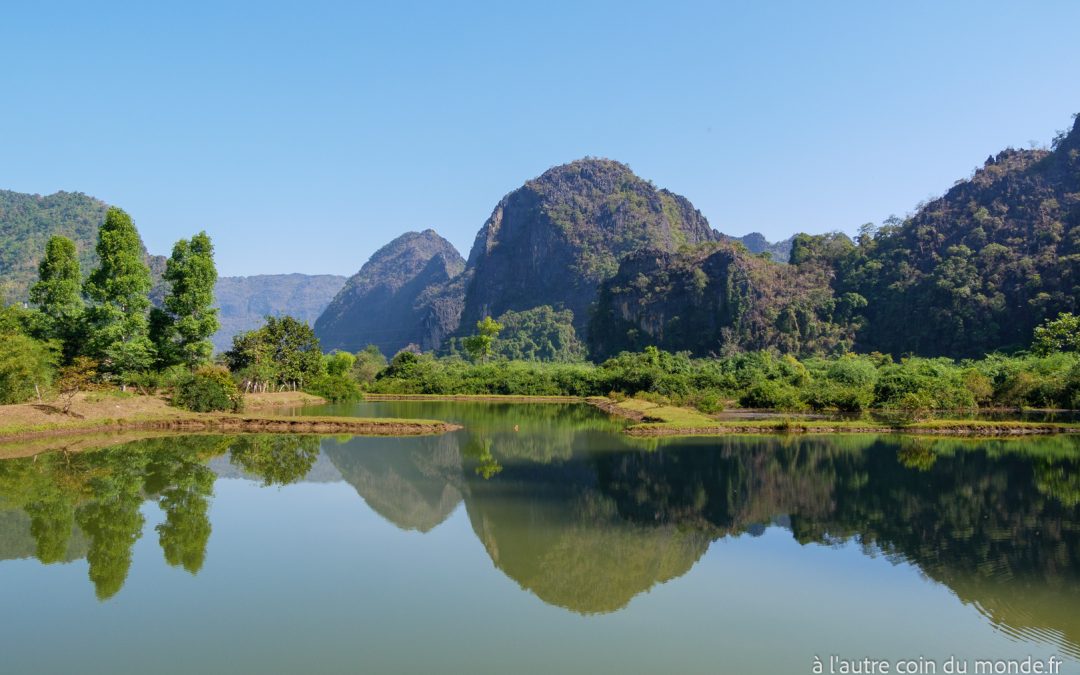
[479,346]
[1058,335]
[58,294]
[283,351]
[120,287]
[182,330]
[539,334]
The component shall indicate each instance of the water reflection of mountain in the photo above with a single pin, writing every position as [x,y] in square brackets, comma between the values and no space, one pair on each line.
[549,528]
[594,522]
[997,522]
[412,482]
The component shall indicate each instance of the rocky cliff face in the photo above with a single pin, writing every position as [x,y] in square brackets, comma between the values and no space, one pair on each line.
[405,294]
[715,299]
[246,301]
[556,238]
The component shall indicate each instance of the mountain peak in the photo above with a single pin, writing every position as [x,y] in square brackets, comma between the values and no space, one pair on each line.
[554,239]
[390,301]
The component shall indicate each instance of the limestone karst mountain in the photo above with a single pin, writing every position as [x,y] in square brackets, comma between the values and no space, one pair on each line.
[402,295]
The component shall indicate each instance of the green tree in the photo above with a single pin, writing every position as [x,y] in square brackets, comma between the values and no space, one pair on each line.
[479,346]
[339,364]
[74,378]
[1058,335]
[120,286]
[539,334]
[336,382]
[58,294]
[369,362]
[26,368]
[284,352]
[181,331]
[186,530]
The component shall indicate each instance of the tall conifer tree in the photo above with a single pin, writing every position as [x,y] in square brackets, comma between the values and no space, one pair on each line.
[182,330]
[120,287]
[58,294]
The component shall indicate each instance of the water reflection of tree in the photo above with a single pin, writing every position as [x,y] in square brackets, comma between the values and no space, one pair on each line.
[277,459]
[52,516]
[112,521]
[478,449]
[184,484]
[99,495]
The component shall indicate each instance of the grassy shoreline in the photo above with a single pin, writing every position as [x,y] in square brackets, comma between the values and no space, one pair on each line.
[652,419]
[114,413]
[95,413]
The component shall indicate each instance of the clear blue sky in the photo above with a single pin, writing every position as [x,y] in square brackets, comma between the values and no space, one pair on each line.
[304,136]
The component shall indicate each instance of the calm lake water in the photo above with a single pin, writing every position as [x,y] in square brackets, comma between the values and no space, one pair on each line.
[537,539]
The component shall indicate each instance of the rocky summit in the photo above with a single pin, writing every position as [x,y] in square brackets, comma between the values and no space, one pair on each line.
[403,295]
[556,238]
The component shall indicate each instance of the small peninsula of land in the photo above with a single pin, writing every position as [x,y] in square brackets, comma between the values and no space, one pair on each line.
[653,419]
[115,411]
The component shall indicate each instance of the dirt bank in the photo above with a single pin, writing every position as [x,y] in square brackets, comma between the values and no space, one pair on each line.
[112,411]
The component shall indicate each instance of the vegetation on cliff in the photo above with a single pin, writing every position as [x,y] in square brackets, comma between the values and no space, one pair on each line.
[556,238]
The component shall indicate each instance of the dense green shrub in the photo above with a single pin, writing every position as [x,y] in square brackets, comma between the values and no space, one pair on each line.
[772,394]
[850,383]
[935,383]
[209,389]
[334,388]
[146,381]
[367,365]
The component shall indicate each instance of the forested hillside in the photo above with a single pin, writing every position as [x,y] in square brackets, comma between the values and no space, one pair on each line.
[28,221]
[718,298]
[975,270]
[969,273]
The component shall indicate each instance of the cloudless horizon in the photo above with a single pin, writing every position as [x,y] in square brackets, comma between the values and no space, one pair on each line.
[303,137]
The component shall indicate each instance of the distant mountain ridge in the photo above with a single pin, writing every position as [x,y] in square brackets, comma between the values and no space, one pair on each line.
[246,301]
[755,242]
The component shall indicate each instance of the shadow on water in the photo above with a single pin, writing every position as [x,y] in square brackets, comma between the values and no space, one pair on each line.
[587,519]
